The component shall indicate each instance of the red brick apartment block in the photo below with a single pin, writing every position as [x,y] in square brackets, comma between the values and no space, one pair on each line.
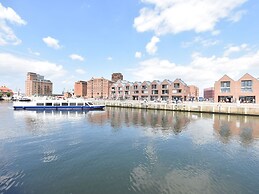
[244,90]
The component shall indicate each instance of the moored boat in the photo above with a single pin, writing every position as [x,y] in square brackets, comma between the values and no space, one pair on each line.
[68,104]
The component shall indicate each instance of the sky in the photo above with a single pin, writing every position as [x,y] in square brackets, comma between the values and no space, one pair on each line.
[198,41]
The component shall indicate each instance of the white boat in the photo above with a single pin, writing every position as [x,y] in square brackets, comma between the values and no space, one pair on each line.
[49,104]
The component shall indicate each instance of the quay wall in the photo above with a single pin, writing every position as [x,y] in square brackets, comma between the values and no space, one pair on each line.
[202,107]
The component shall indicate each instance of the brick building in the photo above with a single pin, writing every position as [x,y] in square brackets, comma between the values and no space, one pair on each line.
[80,89]
[208,93]
[98,88]
[154,91]
[246,89]
[4,91]
[116,77]
[35,84]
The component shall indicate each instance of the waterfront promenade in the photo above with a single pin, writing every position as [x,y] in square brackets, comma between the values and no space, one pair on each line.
[203,107]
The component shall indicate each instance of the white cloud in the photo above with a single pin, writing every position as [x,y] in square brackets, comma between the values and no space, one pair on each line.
[7,35]
[80,71]
[151,47]
[235,17]
[109,58]
[235,49]
[11,65]
[76,57]
[51,42]
[202,41]
[33,52]
[138,55]
[215,32]
[175,16]
[202,71]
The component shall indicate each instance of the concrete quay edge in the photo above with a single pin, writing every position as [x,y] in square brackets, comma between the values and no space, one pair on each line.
[201,107]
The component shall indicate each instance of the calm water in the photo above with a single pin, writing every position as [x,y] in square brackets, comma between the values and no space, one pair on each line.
[127,151]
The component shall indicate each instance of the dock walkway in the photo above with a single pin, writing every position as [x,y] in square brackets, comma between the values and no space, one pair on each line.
[203,107]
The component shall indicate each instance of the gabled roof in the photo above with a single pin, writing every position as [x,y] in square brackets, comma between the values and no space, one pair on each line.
[137,83]
[226,77]
[146,83]
[167,80]
[246,76]
[156,81]
[180,81]
[5,89]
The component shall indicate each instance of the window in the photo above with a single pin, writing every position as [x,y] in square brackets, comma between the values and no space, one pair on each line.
[127,87]
[144,87]
[164,86]
[165,92]
[154,86]
[135,87]
[155,92]
[225,86]
[246,86]
[176,85]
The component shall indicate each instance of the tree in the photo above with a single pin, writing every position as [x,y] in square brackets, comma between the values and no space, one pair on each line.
[1,94]
[8,94]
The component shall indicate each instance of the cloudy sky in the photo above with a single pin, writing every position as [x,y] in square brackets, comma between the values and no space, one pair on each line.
[196,40]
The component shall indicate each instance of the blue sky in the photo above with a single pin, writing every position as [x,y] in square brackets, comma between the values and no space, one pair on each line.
[196,40]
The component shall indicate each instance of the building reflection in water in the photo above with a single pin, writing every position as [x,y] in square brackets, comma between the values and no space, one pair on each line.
[152,122]
[246,128]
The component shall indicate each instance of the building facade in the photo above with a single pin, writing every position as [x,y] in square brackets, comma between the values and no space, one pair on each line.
[116,77]
[80,89]
[244,90]
[154,91]
[35,84]
[121,90]
[98,88]
[208,93]
[5,92]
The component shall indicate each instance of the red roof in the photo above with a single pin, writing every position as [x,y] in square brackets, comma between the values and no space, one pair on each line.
[4,89]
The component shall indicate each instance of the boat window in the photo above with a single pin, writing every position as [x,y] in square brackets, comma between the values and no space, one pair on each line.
[64,104]
[80,104]
[86,104]
[56,104]
[48,104]
[72,104]
[90,103]
[40,104]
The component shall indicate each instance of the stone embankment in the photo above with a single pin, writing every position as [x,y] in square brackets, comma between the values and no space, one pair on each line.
[202,107]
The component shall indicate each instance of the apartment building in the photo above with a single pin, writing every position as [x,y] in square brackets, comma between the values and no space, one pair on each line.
[80,89]
[154,91]
[181,91]
[35,84]
[136,90]
[98,88]
[121,90]
[244,90]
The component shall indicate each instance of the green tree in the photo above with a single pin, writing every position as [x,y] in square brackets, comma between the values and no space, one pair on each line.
[8,94]
[1,94]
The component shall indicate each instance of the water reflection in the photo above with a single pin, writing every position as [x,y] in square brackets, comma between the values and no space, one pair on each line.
[152,123]
[128,151]
[231,126]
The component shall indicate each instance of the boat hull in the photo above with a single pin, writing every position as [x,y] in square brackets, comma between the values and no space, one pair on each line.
[96,107]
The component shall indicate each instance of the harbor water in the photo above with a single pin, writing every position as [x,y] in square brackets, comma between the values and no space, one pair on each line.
[123,150]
